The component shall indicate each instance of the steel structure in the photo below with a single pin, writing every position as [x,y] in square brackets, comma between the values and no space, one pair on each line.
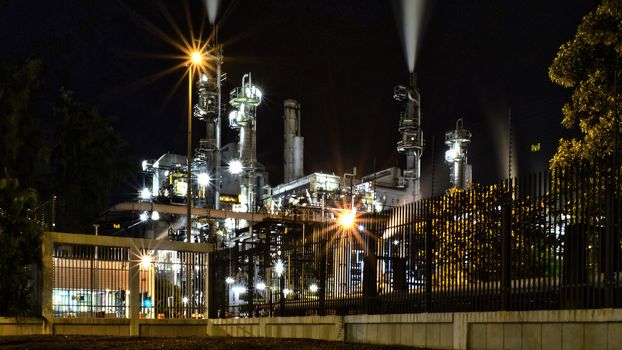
[293,154]
[245,100]
[456,156]
[411,142]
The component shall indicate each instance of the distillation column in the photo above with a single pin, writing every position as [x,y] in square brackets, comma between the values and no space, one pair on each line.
[411,142]
[293,154]
[207,156]
[245,100]
[456,156]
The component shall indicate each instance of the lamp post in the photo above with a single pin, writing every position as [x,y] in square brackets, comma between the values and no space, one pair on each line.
[196,58]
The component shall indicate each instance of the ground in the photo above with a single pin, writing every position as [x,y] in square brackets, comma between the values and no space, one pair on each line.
[211,343]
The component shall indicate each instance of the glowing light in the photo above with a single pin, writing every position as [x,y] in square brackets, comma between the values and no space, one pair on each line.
[238,290]
[346,219]
[145,165]
[361,228]
[184,300]
[229,280]
[260,286]
[313,288]
[196,57]
[145,261]
[155,216]
[203,179]
[204,78]
[286,291]
[235,167]
[279,267]
[145,194]
[144,216]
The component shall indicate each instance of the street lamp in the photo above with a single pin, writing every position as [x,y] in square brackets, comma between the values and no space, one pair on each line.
[196,60]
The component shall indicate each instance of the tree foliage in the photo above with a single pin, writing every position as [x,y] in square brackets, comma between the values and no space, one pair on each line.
[590,64]
[85,162]
[24,149]
[20,238]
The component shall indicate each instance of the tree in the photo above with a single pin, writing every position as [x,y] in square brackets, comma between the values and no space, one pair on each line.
[590,64]
[85,162]
[24,147]
[20,239]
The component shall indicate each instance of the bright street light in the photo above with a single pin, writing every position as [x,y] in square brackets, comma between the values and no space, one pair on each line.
[145,194]
[346,218]
[235,167]
[196,57]
[203,179]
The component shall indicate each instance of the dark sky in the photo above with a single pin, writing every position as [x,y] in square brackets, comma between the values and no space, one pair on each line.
[340,59]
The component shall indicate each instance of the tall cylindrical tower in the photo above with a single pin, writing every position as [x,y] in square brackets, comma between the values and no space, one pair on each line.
[411,142]
[456,156]
[293,157]
[245,100]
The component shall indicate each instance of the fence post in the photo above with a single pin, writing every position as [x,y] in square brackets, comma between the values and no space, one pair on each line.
[134,276]
[250,287]
[322,291]
[370,287]
[506,246]
[47,287]
[281,295]
[428,262]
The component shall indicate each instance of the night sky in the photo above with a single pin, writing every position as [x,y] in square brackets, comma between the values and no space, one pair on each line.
[339,59]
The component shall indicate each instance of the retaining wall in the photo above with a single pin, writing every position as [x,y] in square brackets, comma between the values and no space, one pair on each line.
[561,329]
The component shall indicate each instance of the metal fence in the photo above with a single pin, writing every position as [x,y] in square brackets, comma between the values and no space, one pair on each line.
[545,241]
[96,281]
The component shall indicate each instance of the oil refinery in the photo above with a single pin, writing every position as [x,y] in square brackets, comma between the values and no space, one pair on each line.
[227,180]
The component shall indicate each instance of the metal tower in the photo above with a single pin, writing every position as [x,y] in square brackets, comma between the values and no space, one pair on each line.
[456,156]
[294,143]
[245,100]
[411,143]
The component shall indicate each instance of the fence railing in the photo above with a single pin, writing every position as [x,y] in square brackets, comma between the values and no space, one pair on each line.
[545,241]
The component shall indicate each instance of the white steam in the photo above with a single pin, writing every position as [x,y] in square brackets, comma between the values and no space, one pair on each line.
[212,9]
[412,16]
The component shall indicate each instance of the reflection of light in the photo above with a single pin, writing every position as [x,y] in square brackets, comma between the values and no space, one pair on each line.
[396,242]
[451,155]
[203,179]
[313,288]
[204,77]
[144,216]
[145,193]
[184,300]
[235,167]
[229,280]
[145,165]
[145,261]
[155,216]
[286,291]
[346,219]
[261,286]
[238,290]
[279,268]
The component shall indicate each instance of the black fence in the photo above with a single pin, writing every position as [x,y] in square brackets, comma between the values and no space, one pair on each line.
[545,241]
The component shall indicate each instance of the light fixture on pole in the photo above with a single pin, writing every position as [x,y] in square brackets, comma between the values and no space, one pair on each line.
[195,62]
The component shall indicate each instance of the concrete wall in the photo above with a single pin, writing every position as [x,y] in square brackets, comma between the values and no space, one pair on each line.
[311,327]
[22,326]
[562,329]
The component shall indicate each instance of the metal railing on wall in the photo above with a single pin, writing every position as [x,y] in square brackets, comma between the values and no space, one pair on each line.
[549,240]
